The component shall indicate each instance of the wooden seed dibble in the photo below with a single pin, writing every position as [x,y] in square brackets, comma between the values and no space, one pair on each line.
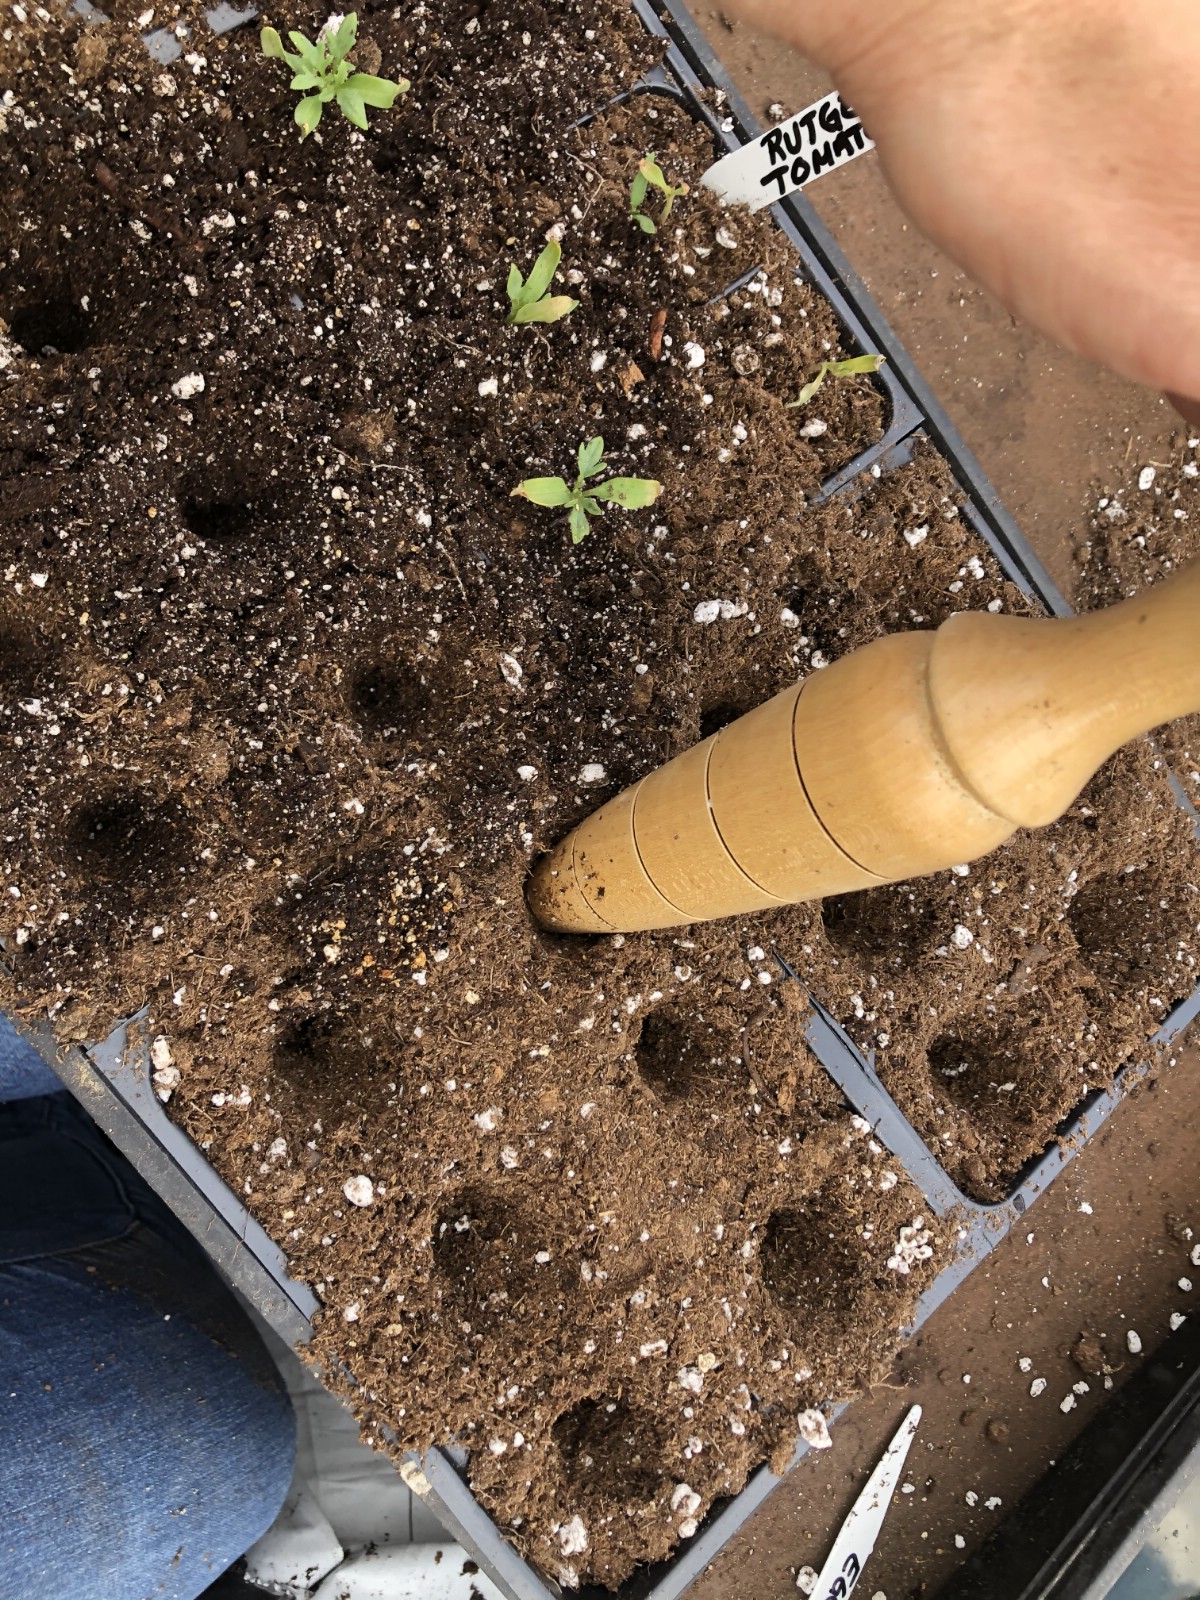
[915,753]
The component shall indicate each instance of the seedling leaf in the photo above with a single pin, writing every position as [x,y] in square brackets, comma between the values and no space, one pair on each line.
[591,458]
[582,502]
[528,297]
[380,92]
[341,42]
[352,106]
[552,492]
[633,494]
[272,44]
[552,309]
[542,273]
[580,527]
[849,368]
[308,114]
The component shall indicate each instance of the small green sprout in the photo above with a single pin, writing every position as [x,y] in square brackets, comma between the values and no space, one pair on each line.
[322,68]
[530,298]
[585,502]
[836,369]
[650,175]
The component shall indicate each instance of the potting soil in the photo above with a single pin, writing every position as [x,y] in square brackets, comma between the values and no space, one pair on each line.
[1138,536]
[292,691]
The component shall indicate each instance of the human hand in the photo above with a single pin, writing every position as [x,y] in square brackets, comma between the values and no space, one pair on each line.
[1052,150]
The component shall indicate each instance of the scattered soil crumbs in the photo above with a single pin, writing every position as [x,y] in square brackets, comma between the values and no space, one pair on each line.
[292,691]
[1139,535]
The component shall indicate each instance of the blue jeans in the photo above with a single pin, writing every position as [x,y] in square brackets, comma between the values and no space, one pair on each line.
[146,1440]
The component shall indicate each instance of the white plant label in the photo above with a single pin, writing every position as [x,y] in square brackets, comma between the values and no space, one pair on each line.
[785,158]
[854,1543]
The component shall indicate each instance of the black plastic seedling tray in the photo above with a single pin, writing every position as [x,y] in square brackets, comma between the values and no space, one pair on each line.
[112,1079]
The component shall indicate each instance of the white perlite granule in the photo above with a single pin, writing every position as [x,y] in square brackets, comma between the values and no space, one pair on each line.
[573,1537]
[814,1430]
[360,1191]
[912,1246]
[192,383]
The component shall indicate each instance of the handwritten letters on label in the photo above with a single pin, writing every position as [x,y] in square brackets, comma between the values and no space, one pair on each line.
[825,136]
[784,159]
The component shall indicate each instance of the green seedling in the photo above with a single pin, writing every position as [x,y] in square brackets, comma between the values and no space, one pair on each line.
[584,502]
[322,69]
[649,176]
[835,369]
[530,298]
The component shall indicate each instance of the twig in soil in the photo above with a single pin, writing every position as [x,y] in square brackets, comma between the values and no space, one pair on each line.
[172,225]
[658,327]
[453,568]
[467,349]
[599,184]
[760,1083]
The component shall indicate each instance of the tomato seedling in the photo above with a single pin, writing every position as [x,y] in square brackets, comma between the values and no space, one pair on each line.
[650,175]
[585,500]
[530,299]
[321,68]
[835,369]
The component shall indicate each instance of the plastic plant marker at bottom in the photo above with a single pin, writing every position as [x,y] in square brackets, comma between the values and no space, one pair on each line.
[854,1543]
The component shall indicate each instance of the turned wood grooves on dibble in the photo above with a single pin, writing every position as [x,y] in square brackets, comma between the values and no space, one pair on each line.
[115,1084]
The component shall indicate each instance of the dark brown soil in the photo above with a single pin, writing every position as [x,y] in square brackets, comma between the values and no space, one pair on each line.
[994,999]
[267,759]
[1139,535]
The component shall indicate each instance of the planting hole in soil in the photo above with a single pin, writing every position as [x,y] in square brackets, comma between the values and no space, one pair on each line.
[816,1257]
[57,325]
[267,519]
[879,930]
[972,1069]
[128,845]
[390,703]
[714,718]
[1128,928]
[496,1262]
[26,661]
[610,1442]
[678,1056]
[332,1070]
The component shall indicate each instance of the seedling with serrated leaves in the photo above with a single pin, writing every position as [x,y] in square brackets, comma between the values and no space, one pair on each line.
[530,298]
[322,69]
[835,369]
[585,500]
[649,176]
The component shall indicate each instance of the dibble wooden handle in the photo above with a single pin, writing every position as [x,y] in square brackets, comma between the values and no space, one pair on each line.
[920,751]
